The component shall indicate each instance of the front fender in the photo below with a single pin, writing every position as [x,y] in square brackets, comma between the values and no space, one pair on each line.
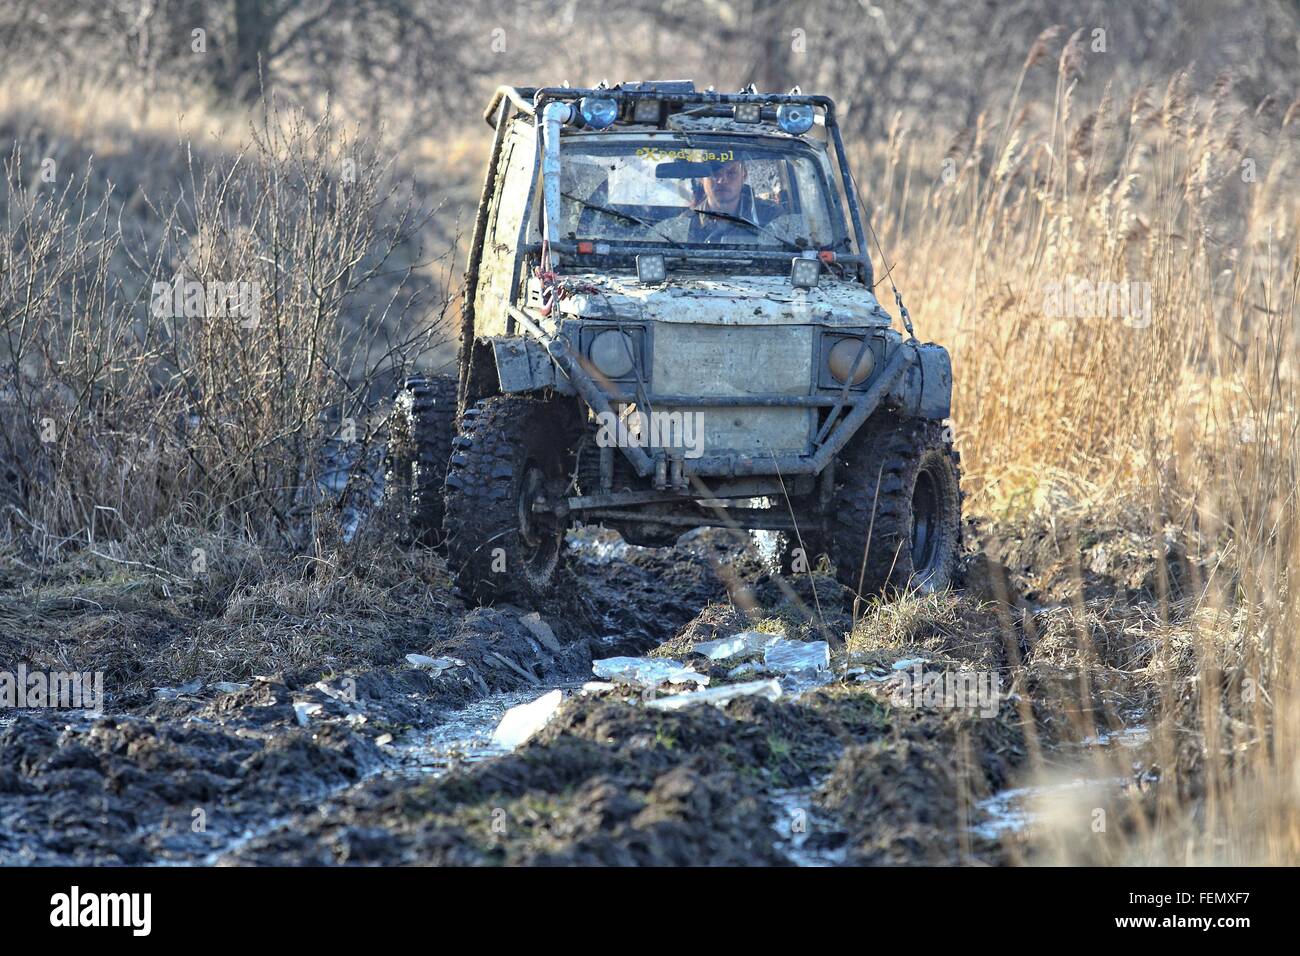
[523,365]
[925,390]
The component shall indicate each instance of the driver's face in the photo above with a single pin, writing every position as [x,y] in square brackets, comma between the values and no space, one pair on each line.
[722,189]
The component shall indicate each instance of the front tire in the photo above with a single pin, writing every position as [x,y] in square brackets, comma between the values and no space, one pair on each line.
[511,452]
[898,521]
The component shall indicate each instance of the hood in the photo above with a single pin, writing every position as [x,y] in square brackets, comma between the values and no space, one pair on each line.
[729,300]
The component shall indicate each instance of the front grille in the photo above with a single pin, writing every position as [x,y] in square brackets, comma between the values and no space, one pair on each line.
[731,360]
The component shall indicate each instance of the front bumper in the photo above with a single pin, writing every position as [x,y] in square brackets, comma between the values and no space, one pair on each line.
[915,378]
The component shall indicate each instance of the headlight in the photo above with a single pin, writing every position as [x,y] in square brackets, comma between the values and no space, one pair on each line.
[612,353]
[841,359]
[597,113]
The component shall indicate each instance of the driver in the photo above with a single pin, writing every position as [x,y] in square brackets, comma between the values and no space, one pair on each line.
[725,192]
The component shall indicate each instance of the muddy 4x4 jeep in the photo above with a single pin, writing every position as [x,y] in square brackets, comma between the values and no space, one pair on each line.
[668,324]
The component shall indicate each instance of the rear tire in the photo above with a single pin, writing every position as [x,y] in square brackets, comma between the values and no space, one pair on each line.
[510,451]
[420,431]
[898,520]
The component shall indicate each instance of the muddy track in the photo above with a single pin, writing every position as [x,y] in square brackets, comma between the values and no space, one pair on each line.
[392,764]
[195,777]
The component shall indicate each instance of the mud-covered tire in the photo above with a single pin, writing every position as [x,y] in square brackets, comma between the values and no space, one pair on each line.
[897,524]
[420,431]
[509,448]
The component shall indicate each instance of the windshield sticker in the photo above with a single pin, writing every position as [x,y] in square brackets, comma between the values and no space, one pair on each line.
[656,154]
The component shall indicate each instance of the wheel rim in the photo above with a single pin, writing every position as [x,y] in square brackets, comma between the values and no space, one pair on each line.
[539,534]
[925,522]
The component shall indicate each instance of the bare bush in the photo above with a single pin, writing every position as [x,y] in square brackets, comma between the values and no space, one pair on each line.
[211,385]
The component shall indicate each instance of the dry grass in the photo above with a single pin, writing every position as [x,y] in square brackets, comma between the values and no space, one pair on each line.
[1185,414]
[244,610]
[912,621]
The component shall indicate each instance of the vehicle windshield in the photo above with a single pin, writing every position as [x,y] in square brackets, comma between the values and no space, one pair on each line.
[705,192]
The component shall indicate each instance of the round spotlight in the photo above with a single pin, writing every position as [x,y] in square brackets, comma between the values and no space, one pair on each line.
[611,352]
[841,358]
[795,118]
[598,113]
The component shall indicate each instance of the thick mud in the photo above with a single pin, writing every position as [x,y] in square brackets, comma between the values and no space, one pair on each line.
[393,762]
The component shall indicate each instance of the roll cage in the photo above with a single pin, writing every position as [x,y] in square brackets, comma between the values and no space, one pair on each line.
[680,98]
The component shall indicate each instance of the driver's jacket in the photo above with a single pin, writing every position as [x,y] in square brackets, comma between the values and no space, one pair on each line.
[706,228]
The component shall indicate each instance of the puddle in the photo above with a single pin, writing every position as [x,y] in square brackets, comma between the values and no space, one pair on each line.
[352,473]
[1010,812]
[464,737]
[237,843]
[802,832]
[596,546]
[1006,813]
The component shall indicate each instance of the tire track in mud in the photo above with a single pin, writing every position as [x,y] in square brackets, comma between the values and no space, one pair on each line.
[293,770]
[195,778]
[459,738]
[610,781]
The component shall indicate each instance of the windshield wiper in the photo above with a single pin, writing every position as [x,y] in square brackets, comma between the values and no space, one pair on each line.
[729,217]
[627,216]
[609,210]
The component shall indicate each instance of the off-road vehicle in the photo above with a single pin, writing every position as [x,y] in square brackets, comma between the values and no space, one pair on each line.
[668,323]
